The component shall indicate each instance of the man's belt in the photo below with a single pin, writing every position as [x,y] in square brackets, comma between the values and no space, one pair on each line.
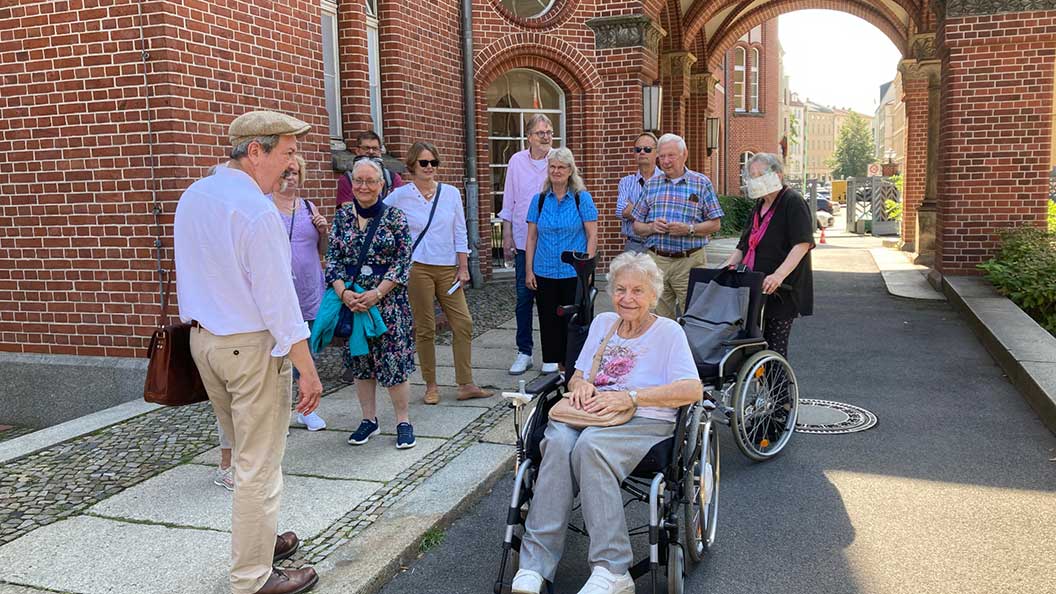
[684,254]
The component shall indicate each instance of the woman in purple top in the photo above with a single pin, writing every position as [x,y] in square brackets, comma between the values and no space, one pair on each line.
[309,237]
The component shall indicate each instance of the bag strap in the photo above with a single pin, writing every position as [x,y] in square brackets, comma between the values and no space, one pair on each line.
[432,211]
[372,228]
[601,350]
[542,196]
[163,313]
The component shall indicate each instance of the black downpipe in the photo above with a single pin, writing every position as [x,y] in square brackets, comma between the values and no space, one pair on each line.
[470,180]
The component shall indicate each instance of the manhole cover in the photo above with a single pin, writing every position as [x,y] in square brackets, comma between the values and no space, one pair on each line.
[828,417]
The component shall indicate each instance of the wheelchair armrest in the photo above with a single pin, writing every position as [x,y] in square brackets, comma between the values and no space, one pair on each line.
[545,383]
[742,342]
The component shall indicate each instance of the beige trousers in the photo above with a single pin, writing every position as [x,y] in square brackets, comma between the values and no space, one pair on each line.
[426,283]
[250,391]
[676,281]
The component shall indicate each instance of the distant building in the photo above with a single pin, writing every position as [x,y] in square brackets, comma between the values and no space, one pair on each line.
[889,125]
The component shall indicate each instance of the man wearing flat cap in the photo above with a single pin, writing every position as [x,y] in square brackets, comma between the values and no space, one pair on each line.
[235,288]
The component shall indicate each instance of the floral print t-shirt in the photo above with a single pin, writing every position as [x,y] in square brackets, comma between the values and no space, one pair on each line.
[658,357]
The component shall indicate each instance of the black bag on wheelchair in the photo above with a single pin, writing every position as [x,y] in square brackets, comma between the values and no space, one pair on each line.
[716,314]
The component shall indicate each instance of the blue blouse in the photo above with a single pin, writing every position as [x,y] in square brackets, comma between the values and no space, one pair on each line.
[560,229]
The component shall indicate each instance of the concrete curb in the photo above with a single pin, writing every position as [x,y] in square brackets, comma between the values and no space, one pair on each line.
[371,559]
[1023,349]
[38,440]
[903,278]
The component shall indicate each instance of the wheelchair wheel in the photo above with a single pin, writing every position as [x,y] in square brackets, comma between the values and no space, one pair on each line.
[700,513]
[765,404]
[676,569]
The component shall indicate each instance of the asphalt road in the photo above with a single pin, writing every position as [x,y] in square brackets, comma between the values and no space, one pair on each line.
[954,491]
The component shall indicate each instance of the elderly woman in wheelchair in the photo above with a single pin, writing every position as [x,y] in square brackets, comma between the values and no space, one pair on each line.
[634,364]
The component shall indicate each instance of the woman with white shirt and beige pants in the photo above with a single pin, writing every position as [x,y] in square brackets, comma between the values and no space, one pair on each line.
[440,259]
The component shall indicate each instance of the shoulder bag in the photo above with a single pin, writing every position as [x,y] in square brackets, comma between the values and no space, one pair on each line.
[172,377]
[564,412]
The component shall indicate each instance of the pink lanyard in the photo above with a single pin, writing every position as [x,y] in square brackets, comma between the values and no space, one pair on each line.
[758,231]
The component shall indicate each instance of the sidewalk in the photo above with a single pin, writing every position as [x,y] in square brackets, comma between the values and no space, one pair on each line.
[131,508]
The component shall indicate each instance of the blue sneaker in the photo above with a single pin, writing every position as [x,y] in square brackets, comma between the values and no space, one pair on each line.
[367,429]
[405,436]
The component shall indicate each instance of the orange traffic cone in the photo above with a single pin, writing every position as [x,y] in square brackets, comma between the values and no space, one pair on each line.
[822,239]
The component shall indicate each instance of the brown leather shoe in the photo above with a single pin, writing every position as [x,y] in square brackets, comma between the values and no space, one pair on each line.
[470,391]
[286,544]
[432,395]
[289,581]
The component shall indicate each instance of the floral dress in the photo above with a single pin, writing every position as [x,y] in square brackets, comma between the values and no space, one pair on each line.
[391,357]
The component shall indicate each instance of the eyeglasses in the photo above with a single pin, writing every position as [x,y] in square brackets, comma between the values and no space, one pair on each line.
[643,149]
[543,133]
[428,162]
[376,149]
[365,182]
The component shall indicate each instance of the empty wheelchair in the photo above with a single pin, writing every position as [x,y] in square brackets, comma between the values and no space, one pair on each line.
[754,388]
[678,478]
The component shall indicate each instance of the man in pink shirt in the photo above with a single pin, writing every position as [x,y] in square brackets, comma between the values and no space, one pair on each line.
[525,175]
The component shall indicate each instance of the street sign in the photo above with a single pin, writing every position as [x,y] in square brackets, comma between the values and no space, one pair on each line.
[874,170]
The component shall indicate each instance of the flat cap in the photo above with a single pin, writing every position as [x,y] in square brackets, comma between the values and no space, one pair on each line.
[265,123]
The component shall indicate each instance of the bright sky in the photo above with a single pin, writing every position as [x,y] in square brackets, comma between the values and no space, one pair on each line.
[836,59]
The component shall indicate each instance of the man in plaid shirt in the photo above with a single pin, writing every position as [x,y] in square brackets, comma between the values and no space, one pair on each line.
[676,214]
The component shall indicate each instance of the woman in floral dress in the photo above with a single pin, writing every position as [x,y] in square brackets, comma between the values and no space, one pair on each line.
[383,280]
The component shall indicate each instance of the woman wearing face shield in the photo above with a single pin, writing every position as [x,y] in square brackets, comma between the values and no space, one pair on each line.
[777,242]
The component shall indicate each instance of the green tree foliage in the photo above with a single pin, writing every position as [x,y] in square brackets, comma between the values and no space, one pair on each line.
[854,149]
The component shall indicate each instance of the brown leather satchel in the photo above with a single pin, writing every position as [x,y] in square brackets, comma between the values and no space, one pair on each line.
[564,412]
[172,377]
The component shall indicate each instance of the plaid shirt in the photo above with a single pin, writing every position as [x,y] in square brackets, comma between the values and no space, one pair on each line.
[689,199]
[629,192]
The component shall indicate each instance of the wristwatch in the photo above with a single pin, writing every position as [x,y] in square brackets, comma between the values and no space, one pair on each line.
[634,397]
[378,292]
[692,229]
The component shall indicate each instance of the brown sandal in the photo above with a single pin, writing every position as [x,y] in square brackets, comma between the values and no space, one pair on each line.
[471,391]
[432,396]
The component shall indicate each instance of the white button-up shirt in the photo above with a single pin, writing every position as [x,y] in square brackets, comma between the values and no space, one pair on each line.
[233,270]
[524,179]
[446,237]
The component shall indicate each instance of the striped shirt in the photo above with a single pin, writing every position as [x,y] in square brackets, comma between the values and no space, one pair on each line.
[560,229]
[629,192]
[688,199]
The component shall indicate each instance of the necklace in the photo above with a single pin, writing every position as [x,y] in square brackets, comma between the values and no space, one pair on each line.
[642,328]
[427,196]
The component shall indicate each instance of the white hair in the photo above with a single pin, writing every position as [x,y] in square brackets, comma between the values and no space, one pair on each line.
[667,138]
[564,155]
[373,164]
[770,160]
[640,264]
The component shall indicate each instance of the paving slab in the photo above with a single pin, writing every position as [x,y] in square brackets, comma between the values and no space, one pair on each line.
[485,378]
[503,432]
[123,558]
[371,559]
[904,278]
[484,357]
[448,396]
[330,456]
[186,496]
[429,421]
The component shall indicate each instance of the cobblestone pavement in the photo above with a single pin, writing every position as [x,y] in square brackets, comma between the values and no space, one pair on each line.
[8,432]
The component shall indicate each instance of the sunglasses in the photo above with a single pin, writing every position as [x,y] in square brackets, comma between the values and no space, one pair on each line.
[643,149]
[428,162]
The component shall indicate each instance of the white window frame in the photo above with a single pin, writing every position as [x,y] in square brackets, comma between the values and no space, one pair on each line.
[333,89]
[753,98]
[739,78]
[374,66]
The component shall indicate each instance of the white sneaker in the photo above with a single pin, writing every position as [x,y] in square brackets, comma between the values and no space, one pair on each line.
[312,421]
[225,477]
[603,581]
[521,364]
[526,582]
[549,367]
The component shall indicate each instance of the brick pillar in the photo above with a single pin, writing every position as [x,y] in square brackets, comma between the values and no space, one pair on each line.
[674,78]
[920,85]
[698,109]
[997,101]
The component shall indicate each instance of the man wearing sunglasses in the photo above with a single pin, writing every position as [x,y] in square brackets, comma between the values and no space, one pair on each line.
[368,146]
[631,187]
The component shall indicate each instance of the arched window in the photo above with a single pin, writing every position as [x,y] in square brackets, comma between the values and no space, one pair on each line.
[512,99]
[753,99]
[738,79]
[528,9]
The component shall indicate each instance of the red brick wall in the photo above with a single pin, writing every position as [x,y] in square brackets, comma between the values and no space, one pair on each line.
[752,132]
[915,96]
[997,94]
[77,263]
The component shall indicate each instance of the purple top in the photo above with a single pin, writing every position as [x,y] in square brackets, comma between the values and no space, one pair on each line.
[307,270]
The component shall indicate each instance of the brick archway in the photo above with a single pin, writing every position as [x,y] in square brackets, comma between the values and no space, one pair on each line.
[728,34]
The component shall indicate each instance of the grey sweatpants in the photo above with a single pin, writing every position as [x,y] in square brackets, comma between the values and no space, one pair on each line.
[592,462]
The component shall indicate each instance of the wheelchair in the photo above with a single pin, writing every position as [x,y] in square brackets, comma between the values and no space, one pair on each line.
[678,478]
[753,388]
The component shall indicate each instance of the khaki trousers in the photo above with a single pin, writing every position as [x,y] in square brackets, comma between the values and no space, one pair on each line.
[426,283]
[250,391]
[676,281]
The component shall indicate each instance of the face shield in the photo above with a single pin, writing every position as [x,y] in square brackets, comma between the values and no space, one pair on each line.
[762,185]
